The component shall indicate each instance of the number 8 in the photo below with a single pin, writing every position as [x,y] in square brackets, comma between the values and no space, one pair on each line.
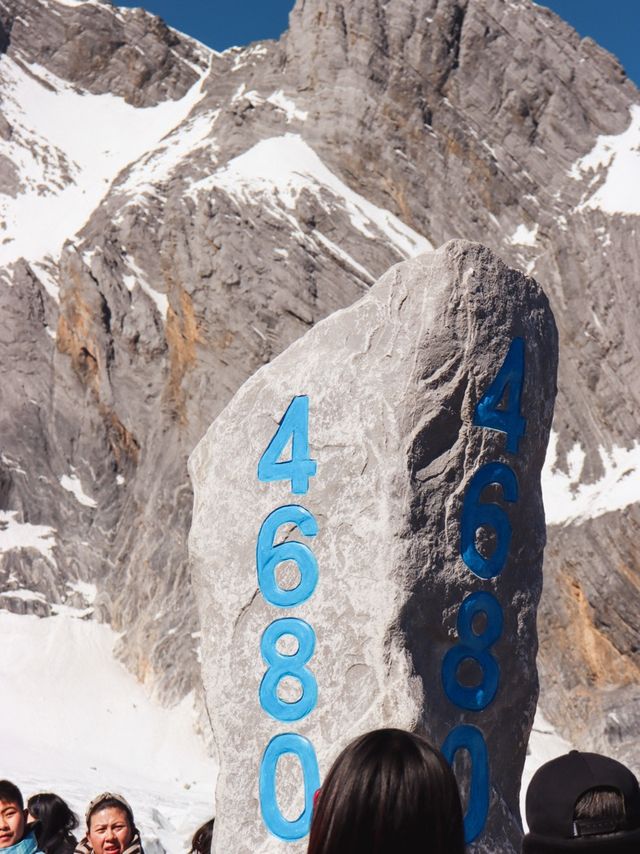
[476,648]
[281,665]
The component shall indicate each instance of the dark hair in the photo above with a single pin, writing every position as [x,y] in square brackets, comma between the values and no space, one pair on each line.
[114,801]
[201,841]
[55,820]
[598,812]
[602,802]
[11,794]
[389,790]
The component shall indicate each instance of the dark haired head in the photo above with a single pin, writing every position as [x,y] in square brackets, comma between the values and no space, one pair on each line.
[201,841]
[55,820]
[389,790]
[10,794]
[106,800]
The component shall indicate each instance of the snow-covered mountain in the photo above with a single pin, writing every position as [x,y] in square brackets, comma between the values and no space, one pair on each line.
[172,218]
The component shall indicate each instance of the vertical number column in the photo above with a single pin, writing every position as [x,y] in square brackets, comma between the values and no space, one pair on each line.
[498,409]
[294,429]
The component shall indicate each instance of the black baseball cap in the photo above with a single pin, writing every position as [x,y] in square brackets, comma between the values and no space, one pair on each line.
[553,793]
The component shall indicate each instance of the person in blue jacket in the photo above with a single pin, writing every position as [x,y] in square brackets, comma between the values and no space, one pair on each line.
[15,836]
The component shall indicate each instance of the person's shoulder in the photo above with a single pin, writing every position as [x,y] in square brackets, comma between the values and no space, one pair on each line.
[27,845]
[68,845]
[135,846]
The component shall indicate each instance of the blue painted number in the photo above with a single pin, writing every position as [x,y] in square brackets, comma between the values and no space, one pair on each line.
[268,556]
[509,380]
[466,737]
[299,468]
[474,647]
[476,515]
[281,665]
[276,823]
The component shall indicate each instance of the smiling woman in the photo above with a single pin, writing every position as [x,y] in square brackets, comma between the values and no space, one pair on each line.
[111,828]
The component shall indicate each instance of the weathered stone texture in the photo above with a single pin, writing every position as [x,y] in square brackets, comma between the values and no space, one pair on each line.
[392,385]
[463,118]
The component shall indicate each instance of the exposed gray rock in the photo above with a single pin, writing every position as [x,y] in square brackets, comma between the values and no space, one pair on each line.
[392,385]
[103,48]
[463,118]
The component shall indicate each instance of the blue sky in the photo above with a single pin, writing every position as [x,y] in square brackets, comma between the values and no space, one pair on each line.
[615,24]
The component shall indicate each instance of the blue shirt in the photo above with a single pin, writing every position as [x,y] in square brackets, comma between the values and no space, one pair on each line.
[27,845]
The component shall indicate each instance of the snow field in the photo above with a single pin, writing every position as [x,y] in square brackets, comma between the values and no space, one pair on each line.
[68,148]
[78,723]
[276,170]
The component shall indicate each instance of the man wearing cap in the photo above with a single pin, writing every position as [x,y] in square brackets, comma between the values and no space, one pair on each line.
[583,803]
[111,828]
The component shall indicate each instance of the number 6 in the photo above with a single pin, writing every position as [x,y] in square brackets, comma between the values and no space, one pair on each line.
[268,556]
[476,515]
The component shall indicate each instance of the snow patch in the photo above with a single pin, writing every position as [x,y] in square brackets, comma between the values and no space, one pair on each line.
[245,55]
[278,99]
[567,500]
[619,157]
[85,725]
[277,170]
[162,162]
[137,277]
[524,236]
[24,535]
[85,589]
[344,257]
[68,147]
[73,485]
[14,465]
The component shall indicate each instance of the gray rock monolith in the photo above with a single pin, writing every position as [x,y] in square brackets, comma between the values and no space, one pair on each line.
[418,421]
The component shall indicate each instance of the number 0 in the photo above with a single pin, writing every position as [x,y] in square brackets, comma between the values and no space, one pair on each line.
[470,738]
[301,747]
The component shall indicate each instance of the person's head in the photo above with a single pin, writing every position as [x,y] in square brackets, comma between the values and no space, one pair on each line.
[55,819]
[389,790]
[583,803]
[110,824]
[201,841]
[13,815]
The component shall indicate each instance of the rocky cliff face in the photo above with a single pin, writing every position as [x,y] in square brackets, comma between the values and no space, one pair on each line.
[173,218]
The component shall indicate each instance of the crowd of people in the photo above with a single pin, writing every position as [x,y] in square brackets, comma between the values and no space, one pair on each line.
[391,792]
[46,825]
[388,792]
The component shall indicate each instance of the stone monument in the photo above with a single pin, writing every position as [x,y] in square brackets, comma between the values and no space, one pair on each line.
[367,546]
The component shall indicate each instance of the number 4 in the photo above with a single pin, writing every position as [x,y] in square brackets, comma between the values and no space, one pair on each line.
[299,468]
[505,418]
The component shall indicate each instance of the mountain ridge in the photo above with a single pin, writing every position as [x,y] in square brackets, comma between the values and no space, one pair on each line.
[189,267]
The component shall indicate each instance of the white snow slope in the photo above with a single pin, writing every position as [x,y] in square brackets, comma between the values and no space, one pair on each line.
[276,170]
[568,500]
[77,723]
[68,147]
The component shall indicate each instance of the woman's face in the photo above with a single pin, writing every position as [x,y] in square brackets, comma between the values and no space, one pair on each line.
[110,831]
